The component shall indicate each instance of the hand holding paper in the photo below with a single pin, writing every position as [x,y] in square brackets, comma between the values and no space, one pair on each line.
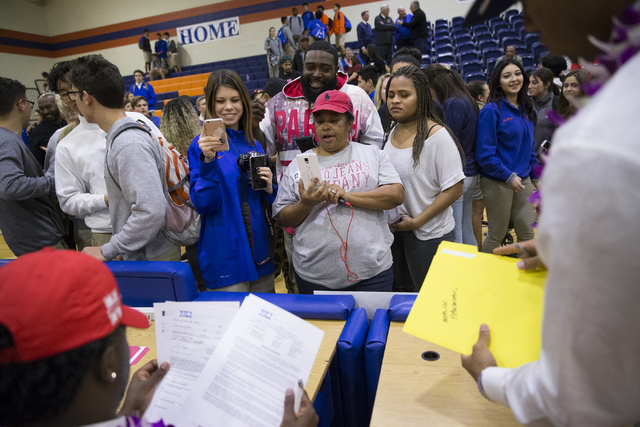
[481,357]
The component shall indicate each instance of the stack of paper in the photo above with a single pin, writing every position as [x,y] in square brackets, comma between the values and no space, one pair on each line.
[230,366]
[465,288]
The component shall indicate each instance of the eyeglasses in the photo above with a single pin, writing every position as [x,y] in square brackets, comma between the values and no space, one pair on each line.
[31,103]
[72,94]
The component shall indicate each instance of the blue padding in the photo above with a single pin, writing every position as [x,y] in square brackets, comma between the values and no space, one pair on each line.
[356,411]
[142,283]
[331,307]
[400,306]
[374,351]
[323,404]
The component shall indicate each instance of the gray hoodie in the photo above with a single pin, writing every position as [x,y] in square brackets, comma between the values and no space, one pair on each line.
[137,204]
[29,218]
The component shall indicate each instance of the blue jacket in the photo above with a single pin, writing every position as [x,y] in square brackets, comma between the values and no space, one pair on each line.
[463,122]
[317,29]
[161,48]
[404,33]
[505,142]
[147,91]
[307,17]
[365,34]
[223,249]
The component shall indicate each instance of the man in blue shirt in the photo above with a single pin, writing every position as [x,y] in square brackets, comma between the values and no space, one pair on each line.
[403,34]
[365,32]
[161,47]
[140,88]
[307,16]
[317,30]
[367,80]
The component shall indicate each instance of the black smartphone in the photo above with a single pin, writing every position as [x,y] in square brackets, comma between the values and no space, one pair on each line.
[257,183]
[305,143]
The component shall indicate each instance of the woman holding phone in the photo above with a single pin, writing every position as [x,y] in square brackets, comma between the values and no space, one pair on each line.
[336,217]
[429,159]
[229,259]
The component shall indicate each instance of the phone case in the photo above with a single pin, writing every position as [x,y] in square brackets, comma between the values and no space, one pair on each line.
[309,168]
[216,128]
[257,183]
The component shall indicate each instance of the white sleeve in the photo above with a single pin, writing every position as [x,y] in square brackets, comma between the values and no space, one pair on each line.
[448,162]
[373,132]
[387,174]
[287,191]
[266,126]
[588,371]
[70,188]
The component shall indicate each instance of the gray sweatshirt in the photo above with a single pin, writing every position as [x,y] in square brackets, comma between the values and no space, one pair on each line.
[29,218]
[276,47]
[137,204]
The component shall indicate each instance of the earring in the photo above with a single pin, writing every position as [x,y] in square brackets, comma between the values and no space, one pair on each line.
[113,375]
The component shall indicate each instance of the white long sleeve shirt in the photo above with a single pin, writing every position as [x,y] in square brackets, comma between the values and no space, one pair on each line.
[79,173]
[588,373]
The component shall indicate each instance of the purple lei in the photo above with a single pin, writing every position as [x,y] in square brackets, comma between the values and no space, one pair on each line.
[624,43]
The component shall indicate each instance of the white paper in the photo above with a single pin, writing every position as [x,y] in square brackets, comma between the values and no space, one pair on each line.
[370,301]
[187,334]
[266,350]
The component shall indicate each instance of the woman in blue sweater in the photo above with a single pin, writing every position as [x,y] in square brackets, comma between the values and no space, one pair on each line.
[229,260]
[506,155]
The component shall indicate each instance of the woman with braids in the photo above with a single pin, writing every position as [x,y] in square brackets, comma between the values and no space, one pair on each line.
[544,96]
[506,155]
[64,355]
[429,160]
[448,88]
[180,125]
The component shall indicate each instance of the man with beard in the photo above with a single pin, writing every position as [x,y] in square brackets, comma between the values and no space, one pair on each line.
[290,111]
[52,121]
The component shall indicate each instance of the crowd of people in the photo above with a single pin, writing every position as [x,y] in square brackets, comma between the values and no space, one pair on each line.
[408,157]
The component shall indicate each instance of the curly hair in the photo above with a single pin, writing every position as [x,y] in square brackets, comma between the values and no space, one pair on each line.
[179,124]
[425,111]
[41,389]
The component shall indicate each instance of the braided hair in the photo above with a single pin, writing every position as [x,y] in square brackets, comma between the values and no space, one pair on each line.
[425,110]
[41,389]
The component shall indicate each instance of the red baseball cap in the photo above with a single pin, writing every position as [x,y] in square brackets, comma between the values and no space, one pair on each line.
[53,301]
[333,100]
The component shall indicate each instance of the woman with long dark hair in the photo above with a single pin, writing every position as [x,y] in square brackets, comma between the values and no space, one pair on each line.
[229,259]
[448,88]
[544,96]
[429,160]
[376,60]
[506,155]
[572,88]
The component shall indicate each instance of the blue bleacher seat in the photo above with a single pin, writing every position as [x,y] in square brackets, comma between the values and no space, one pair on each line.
[446,59]
[356,410]
[530,68]
[483,37]
[159,105]
[442,22]
[470,66]
[426,59]
[444,49]
[536,49]
[511,12]
[374,350]
[509,41]
[171,95]
[527,60]
[491,65]
[457,20]
[442,40]
[487,44]
[463,39]
[477,75]
[144,282]
[505,32]
[400,306]
[541,55]
[466,47]
[498,26]
[515,20]
[467,56]
[530,39]
[520,49]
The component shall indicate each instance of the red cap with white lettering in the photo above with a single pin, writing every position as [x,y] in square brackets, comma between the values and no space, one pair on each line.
[52,301]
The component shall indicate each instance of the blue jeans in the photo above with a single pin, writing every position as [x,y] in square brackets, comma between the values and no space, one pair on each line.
[412,258]
[463,212]
[382,282]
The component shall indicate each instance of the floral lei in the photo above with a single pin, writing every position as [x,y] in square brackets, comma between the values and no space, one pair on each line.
[623,45]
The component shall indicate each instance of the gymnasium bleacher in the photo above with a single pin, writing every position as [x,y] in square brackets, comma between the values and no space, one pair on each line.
[472,52]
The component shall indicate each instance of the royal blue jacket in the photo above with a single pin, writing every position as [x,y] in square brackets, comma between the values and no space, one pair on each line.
[161,48]
[224,253]
[365,34]
[404,33]
[505,142]
[147,91]
[463,122]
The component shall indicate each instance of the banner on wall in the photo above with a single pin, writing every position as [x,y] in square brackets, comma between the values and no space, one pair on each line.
[207,32]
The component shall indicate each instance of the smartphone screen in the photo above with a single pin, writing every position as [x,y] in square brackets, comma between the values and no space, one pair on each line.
[216,128]
[257,183]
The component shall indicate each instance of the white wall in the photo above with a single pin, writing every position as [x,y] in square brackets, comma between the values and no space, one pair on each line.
[64,16]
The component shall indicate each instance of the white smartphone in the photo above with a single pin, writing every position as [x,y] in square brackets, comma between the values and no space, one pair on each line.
[216,128]
[309,168]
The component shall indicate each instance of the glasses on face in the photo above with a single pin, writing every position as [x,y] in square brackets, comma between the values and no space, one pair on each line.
[31,103]
[73,94]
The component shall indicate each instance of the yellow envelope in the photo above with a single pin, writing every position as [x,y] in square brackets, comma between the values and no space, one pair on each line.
[465,288]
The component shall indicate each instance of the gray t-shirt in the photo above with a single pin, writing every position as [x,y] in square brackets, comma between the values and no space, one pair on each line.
[316,246]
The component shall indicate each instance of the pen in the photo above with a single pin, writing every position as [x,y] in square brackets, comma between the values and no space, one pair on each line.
[524,251]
